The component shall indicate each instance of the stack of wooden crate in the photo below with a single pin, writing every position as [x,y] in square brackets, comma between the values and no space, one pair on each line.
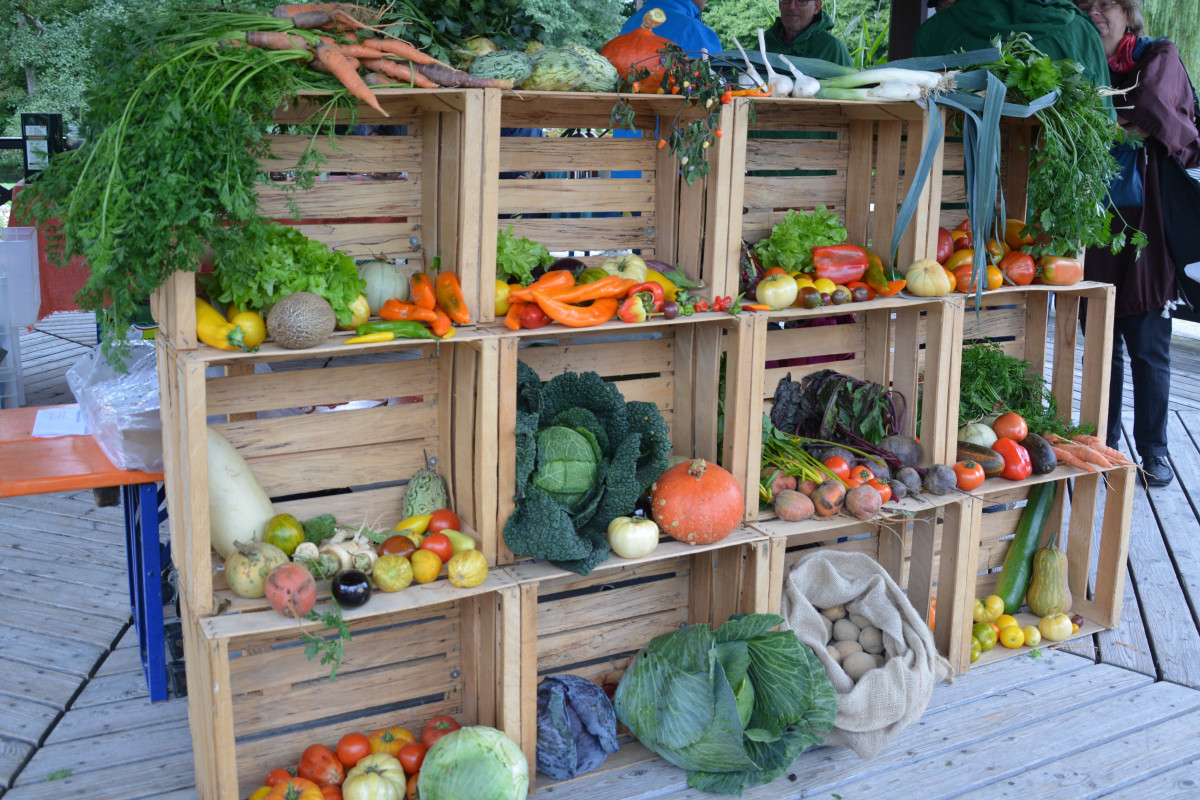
[339,428]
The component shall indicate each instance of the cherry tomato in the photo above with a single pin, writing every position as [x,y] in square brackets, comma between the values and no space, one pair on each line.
[353,746]
[838,466]
[277,775]
[862,474]
[443,519]
[440,545]
[399,545]
[885,491]
[969,475]
[1011,425]
[411,757]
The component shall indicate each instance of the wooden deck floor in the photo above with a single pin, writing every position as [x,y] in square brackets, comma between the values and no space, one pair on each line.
[1119,718]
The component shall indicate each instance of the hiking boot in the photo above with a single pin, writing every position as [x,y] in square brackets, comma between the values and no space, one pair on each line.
[1157,472]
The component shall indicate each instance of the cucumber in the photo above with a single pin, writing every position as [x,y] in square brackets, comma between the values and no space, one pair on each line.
[985,457]
[1018,564]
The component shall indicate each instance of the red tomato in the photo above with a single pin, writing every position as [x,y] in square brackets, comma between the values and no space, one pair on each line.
[411,757]
[440,545]
[436,728]
[851,482]
[885,491]
[945,245]
[862,474]
[332,792]
[838,466]
[443,519]
[399,545]
[1011,425]
[319,765]
[277,775]
[354,746]
[769,271]
[969,474]
[1059,270]
[1019,268]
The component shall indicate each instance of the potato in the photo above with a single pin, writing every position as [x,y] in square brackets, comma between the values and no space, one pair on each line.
[856,665]
[845,631]
[828,628]
[834,612]
[879,659]
[859,620]
[846,649]
[871,639]
[834,653]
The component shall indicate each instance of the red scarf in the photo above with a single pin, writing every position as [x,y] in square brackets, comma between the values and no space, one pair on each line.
[1122,60]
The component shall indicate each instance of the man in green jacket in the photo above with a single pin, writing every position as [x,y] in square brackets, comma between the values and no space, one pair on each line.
[803,29]
[1057,27]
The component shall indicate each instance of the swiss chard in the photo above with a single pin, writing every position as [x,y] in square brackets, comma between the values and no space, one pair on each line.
[830,405]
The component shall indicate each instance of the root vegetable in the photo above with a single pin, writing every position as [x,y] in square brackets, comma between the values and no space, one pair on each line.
[940,480]
[846,649]
[829,497]
[291,590]
[834,653]
[834,613]
[856,665]
[806,487]
[247,567]
[910,478]
[871,639]
[859,620]
[899,490]
[845,631]
[863,501]
[792,506]
[828,628]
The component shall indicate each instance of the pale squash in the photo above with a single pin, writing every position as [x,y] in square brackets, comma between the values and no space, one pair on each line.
[384,281]
[1048,592]
[927,278]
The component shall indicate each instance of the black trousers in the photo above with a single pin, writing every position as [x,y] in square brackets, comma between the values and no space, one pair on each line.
[1147,339]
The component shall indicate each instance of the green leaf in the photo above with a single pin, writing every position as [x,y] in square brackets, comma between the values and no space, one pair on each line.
[59,774]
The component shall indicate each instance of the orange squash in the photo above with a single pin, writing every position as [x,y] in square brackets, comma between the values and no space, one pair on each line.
[638,49]
[697,502]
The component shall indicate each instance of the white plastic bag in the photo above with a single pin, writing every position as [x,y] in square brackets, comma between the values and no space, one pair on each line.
[122,410]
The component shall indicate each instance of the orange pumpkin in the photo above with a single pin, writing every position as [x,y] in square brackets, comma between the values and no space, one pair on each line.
[697,502]
[638,49]
[296,789]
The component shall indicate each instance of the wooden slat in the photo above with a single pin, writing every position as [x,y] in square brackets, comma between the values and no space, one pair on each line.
[795,192]
[561,195]
[590,233]
[331,199]
[349,153]
[574,154]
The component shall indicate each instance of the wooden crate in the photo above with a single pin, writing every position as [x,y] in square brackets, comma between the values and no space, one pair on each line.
[1017,318]
[1095,538]
[561,191]
[441,401]
[593,626]
[256,701]
[676,366]
[908,345]
[426,200]
[855,158]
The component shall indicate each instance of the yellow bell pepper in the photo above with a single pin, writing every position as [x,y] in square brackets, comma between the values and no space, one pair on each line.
[669,288]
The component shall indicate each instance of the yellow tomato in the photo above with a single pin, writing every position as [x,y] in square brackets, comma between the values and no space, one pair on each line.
[260,793]
[979,612]
[1033,637]
[1012,637]
[1012,234]
[777,291]
[824,285]
[426,566]
[413,525]
[802,280]
[1004,620]
[994,606]
[959,258]
[502,290]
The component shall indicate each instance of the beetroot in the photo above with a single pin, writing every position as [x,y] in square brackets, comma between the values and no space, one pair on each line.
[291,590]
[792,506]
[863,501]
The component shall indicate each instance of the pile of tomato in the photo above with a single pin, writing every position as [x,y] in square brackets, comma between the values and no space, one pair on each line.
[1009,263]
[383,765]
[853,476]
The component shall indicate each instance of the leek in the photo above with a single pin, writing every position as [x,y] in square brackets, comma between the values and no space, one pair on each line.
[867,77]
[887,91]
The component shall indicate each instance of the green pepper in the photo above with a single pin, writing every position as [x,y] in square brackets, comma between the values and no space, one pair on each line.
[403,329]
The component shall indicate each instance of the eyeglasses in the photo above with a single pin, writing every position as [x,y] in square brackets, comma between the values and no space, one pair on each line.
[796,2]
[1103,6]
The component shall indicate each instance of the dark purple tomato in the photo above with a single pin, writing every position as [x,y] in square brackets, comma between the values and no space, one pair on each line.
[826,299]
[670,309]
[351,588]
[840,297]
[860,294]
[810,297]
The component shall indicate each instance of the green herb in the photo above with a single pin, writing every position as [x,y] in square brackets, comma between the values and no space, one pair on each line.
[994,382]
[517,257]
[443,32]
[318,529]
[330,648]
[59,774]
[1035,653]
[261,273]
[792,239]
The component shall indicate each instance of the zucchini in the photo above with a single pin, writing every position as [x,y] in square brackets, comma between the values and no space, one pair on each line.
[1018,564]
[985,457]
[1041,454]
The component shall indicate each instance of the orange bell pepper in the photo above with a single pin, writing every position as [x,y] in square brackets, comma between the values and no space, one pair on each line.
[441,324]
[421,289]
[448,293]
[394,310]
[610,286]
[512,320]
[885,282]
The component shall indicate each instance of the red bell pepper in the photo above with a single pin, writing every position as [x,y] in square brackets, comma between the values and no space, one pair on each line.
[533,317]
[840,263]
[643,300]
[1017,465]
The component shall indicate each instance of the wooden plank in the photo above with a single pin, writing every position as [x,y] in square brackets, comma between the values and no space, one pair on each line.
[332,200]
[348,153]
[571,195]
[25,720]
[573,154]
[795,192]
[37,619]
[40,684]
[142,779]
[169,739]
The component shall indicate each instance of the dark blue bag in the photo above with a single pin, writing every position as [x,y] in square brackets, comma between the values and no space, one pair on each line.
[1126,189]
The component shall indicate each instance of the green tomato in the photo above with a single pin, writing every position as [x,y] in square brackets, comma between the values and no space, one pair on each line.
[986,635]
[976,649]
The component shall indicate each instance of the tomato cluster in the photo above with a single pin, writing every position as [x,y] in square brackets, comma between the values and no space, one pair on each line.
[355,768]
[1009,261]
[853,476]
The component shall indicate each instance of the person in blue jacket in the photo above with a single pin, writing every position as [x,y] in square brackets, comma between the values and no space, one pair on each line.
[683,25]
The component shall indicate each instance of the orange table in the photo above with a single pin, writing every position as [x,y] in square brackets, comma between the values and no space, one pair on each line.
[73,463]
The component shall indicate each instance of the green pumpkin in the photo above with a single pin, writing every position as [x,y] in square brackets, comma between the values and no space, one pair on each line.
[1048,592]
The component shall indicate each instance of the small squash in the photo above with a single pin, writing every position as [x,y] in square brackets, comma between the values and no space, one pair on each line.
[1048,592]
[638,49]
[384,281]
[927,278]
[697,502]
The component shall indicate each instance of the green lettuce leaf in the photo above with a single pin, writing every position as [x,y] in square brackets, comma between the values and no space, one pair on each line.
[792,239]
[517,257]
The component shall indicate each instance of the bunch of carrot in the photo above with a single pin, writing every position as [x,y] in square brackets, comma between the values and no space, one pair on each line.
[560,299]
[351,43]
[1088,453]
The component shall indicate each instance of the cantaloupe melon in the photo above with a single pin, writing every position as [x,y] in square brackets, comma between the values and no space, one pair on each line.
[300,320]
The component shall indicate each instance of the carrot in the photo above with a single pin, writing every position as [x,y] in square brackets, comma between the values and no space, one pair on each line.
[321,67]
[1068,458]
[328,16]
[512,320]
[598,312]
[331,57]
[441,325]
[448,76]
[397,47]
[356,51]
[377,79]
[277,40]
[398,72]
[449,296]
[421,291]
[1084,452]
[1111,453]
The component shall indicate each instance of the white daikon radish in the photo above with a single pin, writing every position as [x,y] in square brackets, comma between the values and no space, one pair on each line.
[238,506]
[802,85]
[781,85]
[750,79]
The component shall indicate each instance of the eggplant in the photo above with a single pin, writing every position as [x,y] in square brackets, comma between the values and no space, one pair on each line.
[568,263]
[351,588]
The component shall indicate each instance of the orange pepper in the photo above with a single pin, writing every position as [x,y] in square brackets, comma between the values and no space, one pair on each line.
[555,280]
[450,297]
[598,312]
[422,291]
[512,320]
[394,310]
[441,324]
[610,286]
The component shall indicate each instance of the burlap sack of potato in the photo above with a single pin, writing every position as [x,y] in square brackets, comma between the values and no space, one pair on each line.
[887,699]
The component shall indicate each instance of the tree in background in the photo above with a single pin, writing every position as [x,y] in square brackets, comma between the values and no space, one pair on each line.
[856,22]
[1179,21]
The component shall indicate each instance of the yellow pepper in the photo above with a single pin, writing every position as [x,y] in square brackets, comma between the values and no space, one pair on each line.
[214,330]
[416,524]
[369,338]
[669,288]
